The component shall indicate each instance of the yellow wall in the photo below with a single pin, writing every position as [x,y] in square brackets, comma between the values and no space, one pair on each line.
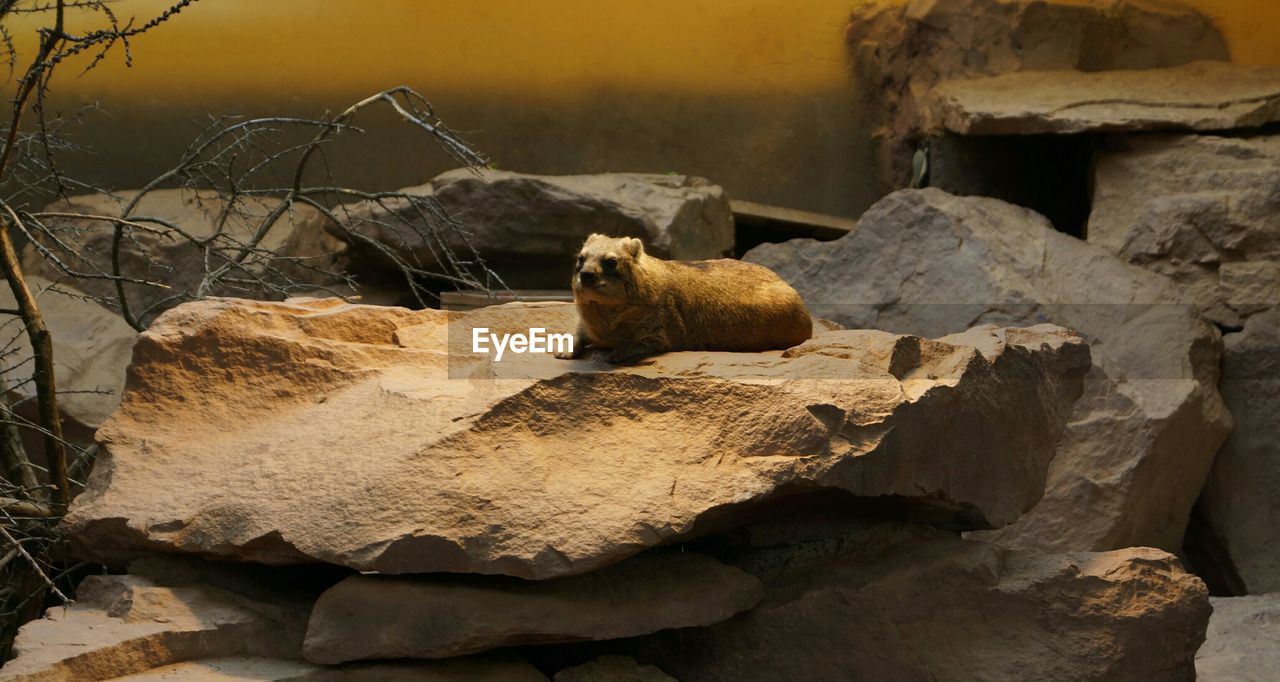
[723,46]
[749,92]
[1250,27]
[718,46]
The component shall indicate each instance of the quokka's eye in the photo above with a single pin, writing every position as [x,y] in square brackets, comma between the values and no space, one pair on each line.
[610,263]
[582,259]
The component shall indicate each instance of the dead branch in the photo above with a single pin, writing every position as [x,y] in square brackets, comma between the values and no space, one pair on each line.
[34,564]
[26,508]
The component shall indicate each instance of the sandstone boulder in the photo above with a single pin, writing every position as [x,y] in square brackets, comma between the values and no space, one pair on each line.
[1198,96]
[1239,502]
[1243,641]
[900,603]
[369,616]
[1142,439]
[1201,209]
[122,625]
[314,430]
[528,227]
[901,51]
[297,254]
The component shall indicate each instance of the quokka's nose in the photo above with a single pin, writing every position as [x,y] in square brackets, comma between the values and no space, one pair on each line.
[587,277]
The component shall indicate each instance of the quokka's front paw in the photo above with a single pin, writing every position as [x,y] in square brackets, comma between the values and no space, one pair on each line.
[567,355]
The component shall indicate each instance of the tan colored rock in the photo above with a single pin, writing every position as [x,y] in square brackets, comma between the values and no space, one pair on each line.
[122,625]
[227,669]
[1200,209]
[529,227]
[368,616]
[158,255]
[901,51]
[911,604]
[1243,641]
[1140,441]
[613,669]
[1198,96]
[1239,501]
[236,413]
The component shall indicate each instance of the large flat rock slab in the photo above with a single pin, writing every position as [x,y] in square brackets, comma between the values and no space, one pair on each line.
[257,669]
[373,617]
[1142,439]
[910,604]
[318,431]
[901,51]
[528,228]
[124,625]
[1243,641]
[1197,96]
[296,255]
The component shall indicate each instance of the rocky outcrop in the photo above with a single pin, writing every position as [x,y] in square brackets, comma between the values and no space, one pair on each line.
[1204,211]
[235,413]
[895,603]
[182,618]
[1142,438]
[1201,209]
[901,51]
[1243,641]
[437,617]
[297,254]
[1198,96]
[528,227]
[1239,502]
[122,625]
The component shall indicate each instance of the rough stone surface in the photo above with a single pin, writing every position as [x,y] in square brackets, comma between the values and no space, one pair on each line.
[1198,96]
[235,413]
[1243,641]
[1142,438]
[1201,209]
[158,256]
[895,603]
[528,227]
[902,51]
[180,618]
[613,669]
[226,669]
[369,616]
[1240,501]
[122,625]
[91,348]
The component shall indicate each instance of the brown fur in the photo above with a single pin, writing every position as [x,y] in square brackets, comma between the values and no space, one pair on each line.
[636,305]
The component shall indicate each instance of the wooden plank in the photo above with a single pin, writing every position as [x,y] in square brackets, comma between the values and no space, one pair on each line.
[470,299]
[791,222]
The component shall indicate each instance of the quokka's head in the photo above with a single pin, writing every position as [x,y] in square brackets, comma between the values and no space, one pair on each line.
[605,267]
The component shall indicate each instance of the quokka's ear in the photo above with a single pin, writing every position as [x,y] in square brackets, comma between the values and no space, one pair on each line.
[634,246]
